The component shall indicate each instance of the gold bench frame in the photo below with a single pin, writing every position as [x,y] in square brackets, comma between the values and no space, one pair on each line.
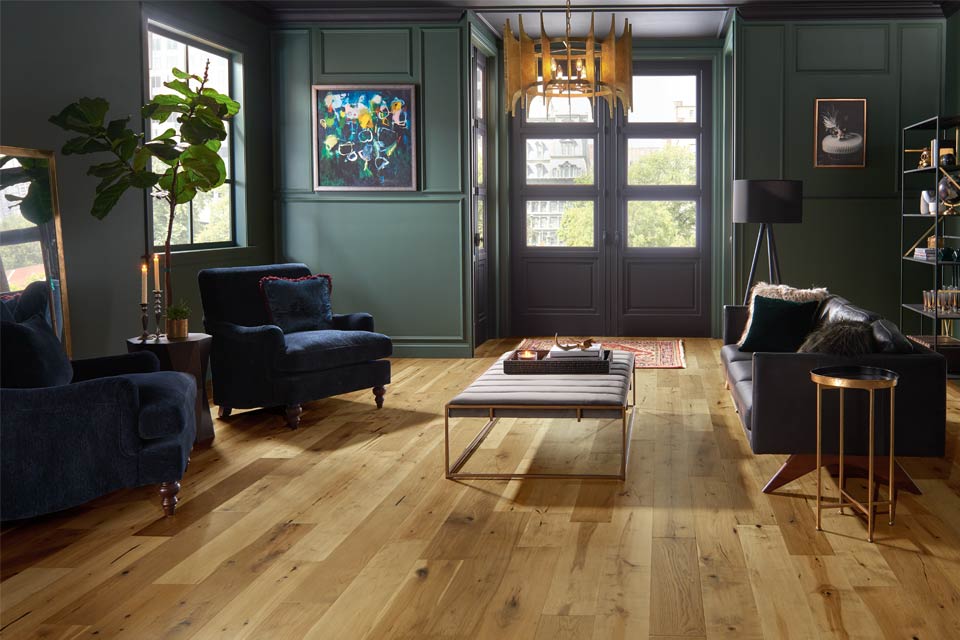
[453,472]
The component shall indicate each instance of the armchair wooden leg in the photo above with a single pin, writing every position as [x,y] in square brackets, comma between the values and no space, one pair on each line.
[168,497]
[292,413]
[378,393]
[224,411]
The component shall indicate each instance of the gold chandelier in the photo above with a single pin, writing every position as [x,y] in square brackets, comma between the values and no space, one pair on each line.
[566,67]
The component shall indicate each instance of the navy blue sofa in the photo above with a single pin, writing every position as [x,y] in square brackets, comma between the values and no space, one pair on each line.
[254,364]
[119,423]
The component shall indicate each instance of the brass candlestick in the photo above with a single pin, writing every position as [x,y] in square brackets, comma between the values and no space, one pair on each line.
[158,311]
[144,320]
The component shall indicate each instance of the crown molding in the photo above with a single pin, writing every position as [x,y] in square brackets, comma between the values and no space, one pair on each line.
[842,9]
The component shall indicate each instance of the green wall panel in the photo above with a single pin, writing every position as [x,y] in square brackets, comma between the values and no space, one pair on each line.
[294,128]
[441,110]
[849,238]
[842,47]
[402,256]
[953,64]
[366,51]
[397,260]
[760,105]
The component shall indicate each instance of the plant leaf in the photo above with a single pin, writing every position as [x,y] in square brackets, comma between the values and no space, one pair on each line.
[197,131]
[106,200]
[94,109]
[73,118]
[82,145]
[143,179]
[184,75]
[116,127]
[166,153]
[233,107]
[181,87]
[166,135]
[140,158]
[205,167]
[107,169]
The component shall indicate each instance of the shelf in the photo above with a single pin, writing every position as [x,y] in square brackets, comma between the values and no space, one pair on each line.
[918,308]
[942,263]
[946,122]
[919,170]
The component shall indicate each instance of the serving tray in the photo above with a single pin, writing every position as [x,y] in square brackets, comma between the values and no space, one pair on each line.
[543,365]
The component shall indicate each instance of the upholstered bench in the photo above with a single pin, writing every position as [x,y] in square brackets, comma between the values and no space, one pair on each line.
[496,395]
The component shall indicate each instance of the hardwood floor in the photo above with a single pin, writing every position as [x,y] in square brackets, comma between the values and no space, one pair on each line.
[347,529]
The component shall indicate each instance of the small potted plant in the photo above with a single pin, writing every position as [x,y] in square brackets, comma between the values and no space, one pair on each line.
[178,318]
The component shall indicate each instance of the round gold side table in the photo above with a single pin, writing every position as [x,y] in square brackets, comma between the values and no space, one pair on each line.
[869,379]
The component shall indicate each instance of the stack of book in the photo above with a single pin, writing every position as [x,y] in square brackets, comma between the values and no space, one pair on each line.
[925,254]
[593,353]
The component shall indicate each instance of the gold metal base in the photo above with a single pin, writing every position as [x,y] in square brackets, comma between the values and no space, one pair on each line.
[453,472]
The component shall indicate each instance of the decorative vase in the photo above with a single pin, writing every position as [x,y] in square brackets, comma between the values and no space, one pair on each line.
[177,329]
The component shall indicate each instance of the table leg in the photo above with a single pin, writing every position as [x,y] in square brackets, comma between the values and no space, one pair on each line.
[819,457]
[870,496]
[842,421]
[890,489]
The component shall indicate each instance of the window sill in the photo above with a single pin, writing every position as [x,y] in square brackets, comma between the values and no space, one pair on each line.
[185,257]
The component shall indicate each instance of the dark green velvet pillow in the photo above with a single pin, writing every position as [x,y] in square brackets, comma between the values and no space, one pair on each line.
[779,325]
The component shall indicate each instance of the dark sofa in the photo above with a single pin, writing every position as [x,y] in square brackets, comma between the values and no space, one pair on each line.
[776,400]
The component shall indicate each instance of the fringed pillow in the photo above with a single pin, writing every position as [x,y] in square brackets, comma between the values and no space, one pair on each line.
[780,292]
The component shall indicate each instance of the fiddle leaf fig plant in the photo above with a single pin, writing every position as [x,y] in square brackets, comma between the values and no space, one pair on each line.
[187,158]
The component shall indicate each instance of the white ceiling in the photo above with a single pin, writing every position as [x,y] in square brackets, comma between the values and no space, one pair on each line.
[689,23]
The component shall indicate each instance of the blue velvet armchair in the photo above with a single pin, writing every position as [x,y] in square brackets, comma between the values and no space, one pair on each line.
[255,364]
[119,423]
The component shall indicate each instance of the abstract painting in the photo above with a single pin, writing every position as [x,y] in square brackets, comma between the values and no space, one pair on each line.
[364,138]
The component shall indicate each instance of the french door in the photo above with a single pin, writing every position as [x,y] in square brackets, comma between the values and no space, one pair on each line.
[479,144]
[610,222]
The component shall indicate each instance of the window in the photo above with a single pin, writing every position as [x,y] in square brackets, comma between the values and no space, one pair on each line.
[210,219]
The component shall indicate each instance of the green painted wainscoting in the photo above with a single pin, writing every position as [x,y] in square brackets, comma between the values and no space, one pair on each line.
[402,256]
[849,238]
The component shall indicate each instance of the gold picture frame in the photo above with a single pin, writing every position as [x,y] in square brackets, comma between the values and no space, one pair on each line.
[840,133]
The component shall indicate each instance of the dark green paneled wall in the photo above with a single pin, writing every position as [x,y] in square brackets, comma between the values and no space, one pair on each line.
[850,234]
[953,63]
[52,53]
[403,256]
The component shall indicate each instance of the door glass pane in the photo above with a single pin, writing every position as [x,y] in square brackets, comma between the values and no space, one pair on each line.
[481,222]
[664,99]
[661,161]
[480,167]
[560,223]
[560,110]
[478,82]
[559,161]
[662,223]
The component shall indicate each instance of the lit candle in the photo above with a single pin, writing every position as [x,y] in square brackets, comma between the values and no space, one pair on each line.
[156,272]
[527,355]
[143,282]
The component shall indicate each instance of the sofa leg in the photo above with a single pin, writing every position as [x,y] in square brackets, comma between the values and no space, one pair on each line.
[168,497]
[292,413]
[224,411]
[378,393]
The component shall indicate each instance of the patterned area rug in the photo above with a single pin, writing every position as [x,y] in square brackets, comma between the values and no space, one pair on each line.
[651,354]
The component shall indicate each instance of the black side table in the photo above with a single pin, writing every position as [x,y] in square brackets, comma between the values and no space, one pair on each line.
[189,355]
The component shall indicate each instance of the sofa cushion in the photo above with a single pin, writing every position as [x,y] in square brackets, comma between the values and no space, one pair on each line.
[848,338]
[836,308]
[167,403]
[732,353]
[779,325]
[740,371]
[31,355]
[779,292]
[299,304]
[329,349]
[888,338]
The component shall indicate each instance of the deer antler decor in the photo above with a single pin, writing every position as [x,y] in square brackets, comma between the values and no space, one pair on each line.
[583,346]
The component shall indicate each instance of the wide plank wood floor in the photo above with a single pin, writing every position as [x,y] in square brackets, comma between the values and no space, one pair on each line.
[347,529]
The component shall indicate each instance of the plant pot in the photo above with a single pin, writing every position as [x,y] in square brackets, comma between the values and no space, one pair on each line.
[177,329]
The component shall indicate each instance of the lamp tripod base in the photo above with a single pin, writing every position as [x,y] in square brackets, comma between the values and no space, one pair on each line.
[773,259]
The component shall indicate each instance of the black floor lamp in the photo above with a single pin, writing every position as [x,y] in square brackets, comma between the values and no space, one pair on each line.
[767,202]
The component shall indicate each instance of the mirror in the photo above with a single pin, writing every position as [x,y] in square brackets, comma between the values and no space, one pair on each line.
[31,241]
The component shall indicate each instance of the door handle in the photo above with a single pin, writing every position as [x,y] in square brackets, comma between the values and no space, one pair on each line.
[604,237]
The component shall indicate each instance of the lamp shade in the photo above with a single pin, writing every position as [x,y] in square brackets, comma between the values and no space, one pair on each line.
[768,201]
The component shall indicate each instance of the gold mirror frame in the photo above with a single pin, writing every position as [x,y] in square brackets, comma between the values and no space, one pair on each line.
[49,156]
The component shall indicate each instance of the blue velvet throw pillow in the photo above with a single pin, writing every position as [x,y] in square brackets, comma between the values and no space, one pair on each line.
[31,355]
[779,325]
[299,304]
